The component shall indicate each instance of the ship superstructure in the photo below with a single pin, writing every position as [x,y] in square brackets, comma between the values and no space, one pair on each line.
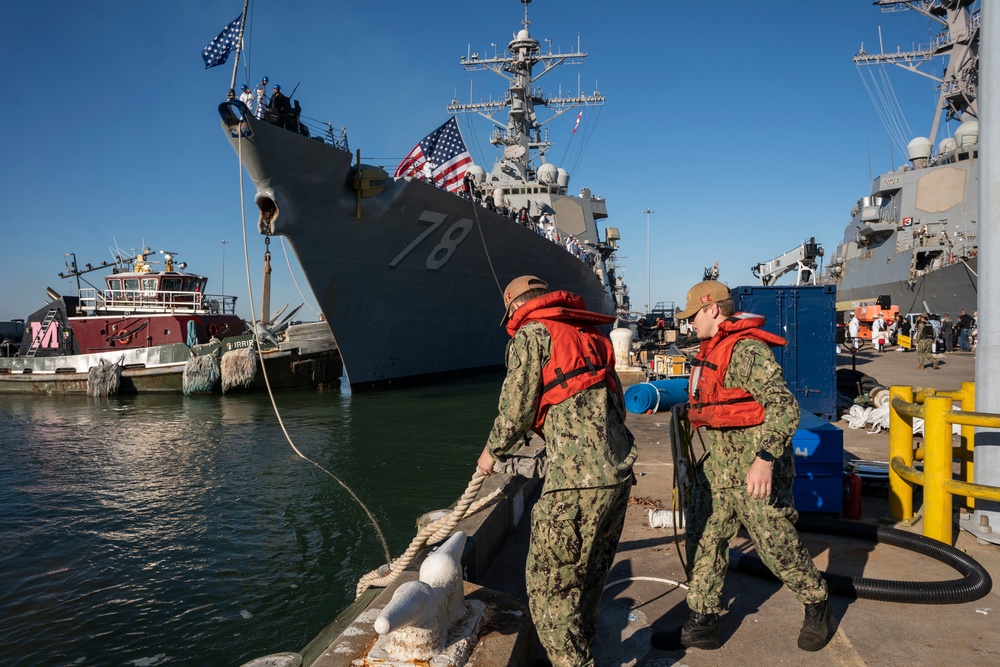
[915,237]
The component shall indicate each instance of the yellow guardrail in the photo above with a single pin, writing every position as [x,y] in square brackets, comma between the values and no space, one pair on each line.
[938,455]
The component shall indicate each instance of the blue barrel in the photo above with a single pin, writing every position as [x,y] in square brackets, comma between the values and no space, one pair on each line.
[658,396]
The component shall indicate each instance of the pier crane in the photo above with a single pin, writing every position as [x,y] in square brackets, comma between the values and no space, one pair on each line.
[802,260]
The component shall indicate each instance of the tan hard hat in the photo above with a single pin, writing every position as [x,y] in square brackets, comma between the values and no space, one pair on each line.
[701,295]
[516,288]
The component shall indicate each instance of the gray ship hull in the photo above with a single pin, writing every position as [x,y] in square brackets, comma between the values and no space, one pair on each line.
[412,286]
[937,292]
[915,240]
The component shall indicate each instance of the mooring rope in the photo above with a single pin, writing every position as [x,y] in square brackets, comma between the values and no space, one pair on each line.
[432,533]
[486,250]
[267,380]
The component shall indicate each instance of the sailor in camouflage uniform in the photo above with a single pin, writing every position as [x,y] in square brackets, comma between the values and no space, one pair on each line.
[925,339]
[747,415]
[561,383]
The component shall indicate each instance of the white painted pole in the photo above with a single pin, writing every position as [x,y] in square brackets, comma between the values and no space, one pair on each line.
[987,441]
[649,296]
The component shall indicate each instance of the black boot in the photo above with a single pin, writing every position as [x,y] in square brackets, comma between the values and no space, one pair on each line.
[700,631]
[815,627]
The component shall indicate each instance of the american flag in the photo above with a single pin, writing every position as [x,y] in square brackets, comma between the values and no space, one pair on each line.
[442,155]
[217,52]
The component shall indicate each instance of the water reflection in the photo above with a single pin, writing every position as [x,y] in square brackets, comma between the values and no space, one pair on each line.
[186,530]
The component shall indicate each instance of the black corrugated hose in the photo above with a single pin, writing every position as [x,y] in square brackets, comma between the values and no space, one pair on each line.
[974,584]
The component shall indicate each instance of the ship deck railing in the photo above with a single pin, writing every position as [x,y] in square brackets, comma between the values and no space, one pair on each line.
[294,121]
[94,302]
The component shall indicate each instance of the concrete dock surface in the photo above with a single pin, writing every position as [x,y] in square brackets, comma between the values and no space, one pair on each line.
[761,619]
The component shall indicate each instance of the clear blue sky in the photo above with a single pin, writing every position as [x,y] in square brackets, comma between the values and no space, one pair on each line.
[744,126]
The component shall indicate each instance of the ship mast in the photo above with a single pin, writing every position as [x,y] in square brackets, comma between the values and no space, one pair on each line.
[960,83]
[239,49]
[521,138]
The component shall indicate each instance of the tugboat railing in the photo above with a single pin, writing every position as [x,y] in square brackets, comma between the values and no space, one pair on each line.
[93,301]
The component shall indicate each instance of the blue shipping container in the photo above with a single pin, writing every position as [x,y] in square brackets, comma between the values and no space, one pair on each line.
[805,316]
[819,465]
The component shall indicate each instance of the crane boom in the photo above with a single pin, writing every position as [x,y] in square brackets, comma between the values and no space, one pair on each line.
[802,260]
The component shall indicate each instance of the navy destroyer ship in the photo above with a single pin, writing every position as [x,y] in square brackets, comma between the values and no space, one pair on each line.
[409,271]
[914,238]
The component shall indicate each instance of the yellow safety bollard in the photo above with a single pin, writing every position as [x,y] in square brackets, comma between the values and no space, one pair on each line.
[901,445]
[967,465]
[937,468]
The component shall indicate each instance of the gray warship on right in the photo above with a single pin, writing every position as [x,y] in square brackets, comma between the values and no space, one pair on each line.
[914,238]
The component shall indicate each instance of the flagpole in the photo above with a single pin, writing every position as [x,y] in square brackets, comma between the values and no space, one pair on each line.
[239,48]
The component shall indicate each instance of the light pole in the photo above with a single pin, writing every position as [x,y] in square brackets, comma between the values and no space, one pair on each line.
[224,244]
[649,298]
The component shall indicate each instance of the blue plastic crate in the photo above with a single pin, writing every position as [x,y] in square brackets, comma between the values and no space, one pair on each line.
[820,494]
[819,465]
[818,441]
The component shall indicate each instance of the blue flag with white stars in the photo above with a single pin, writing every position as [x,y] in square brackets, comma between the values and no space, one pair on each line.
[217,52]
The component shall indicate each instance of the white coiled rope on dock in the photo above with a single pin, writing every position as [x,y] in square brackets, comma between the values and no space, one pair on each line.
[432,533]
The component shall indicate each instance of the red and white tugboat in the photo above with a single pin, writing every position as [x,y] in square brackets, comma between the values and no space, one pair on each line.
[147,331]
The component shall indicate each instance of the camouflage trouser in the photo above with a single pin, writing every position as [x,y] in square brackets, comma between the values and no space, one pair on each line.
[574,537]
[712,520]
[924,351]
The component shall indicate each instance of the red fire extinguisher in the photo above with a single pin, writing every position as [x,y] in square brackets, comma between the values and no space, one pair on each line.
[852,496]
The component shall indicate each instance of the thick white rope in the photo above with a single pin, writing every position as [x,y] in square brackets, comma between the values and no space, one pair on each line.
[432,533]
[267,381]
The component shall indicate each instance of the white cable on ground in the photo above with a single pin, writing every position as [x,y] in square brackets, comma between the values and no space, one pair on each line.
[654,579]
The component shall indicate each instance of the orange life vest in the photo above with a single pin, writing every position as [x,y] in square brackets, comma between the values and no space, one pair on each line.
[581,355]
[712,403]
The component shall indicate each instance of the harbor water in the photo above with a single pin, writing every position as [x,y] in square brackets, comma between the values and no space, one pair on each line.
[170,530]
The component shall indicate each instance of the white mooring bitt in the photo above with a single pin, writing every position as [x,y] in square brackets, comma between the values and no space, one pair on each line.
[426,617]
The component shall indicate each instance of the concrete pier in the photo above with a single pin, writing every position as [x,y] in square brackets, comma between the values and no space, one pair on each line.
[761,619]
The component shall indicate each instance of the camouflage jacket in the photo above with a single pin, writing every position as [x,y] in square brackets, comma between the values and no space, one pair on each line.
[586,441]
[732,450]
